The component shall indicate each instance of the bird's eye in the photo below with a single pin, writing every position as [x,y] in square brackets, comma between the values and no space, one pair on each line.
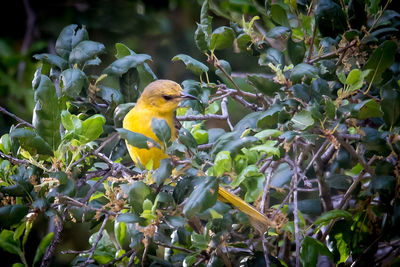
[167,97]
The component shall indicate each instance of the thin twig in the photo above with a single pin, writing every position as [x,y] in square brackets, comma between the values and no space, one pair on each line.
[224,111]
[346,197]
[310,51]
[76,203]
[333,53]
[265,250]
[126,254]
[354,153]
[174,247]
[59,225]
[14,160]
[205,146]
[99,236]
[94,187]
[295,207]
[15,117]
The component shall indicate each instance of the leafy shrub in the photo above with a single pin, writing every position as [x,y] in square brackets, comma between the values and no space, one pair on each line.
[317,152]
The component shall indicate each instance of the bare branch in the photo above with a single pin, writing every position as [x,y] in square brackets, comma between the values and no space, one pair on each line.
[14,160]
[126,254]
[59,225]
[15,117]
[353,153]
[295,207]
[99,236]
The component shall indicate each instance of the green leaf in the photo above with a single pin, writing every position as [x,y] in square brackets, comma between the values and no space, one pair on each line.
[278,15]
[31,141]
[249,171]
[161,129]
[5,143]
[368,109]
[328,216]
[146,75]
[390,105]
[381,59]
[53,60]
[84,51]
[296,50]
[192,64]
[69,37]
[222,38]
[278,32]
[12,214]
[222,163]
[243,42]
[266,86]
[186,138]
[73,81]
[339,181]
[269,147]
[269,118]
[302,91]
[330,108]
[201,38]
[310,249]
[120,231]
[120,112]
[163,172]
[46,114]
[282,175]
[353,76]
[137,139]
[204,196]
[137,193]
[8,243]
[272,55]
[92,127]
[122,65]
[303,72]
[302,120]
[268,133]
[44,243]
[128,218]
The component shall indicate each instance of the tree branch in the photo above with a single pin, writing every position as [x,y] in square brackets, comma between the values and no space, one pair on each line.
[59,225]
[15,117]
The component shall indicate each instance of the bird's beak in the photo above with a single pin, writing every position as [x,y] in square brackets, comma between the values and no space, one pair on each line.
[188,96]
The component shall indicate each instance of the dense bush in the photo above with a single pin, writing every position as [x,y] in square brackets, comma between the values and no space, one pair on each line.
[316,148]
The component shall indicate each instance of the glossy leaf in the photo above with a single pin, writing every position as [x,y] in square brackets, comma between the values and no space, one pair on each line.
[203,197]
[296,50]
[279,15]
[46,115]
[368,109]
[73,82]
[85,50]
[69,37]
[310,249]
[390,105]
[192,64]
[53,60]
[12,214]
[163,172]
[137,139]
[31,141]
[302,120]
[264,85]
[124,64]
[381,59]
[44,243]
[221,38]
[161,130]
[303,72]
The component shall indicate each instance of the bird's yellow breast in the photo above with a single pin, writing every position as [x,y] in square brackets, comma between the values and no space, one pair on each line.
[139,120]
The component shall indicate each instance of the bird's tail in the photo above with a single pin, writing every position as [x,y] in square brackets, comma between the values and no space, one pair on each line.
[259,220]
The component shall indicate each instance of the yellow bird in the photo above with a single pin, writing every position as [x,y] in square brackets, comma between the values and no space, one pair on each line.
[159,100]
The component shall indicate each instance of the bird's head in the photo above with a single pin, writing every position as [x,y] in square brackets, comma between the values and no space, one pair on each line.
[164,95]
